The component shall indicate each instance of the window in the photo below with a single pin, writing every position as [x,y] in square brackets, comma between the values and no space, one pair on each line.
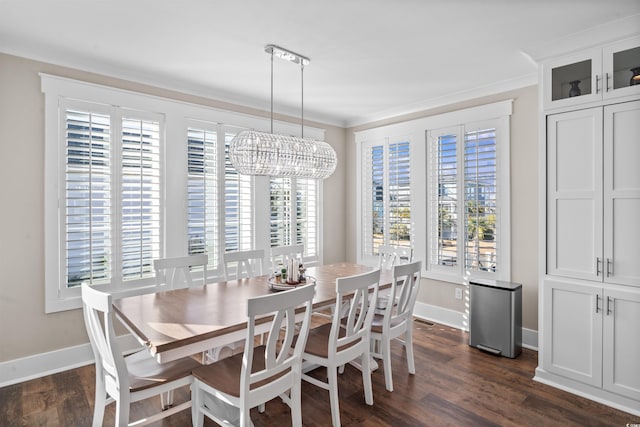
[206,215]
[466,206]
[130,178]
[111,226]
[294,214]
[386,205]
[439,184]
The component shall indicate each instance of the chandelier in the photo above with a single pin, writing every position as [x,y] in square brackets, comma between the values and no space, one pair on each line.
[260,153]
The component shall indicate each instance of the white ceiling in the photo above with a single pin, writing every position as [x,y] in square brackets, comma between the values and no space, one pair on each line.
[370,59]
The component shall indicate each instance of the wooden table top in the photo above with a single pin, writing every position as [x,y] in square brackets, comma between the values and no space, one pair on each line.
[196,317]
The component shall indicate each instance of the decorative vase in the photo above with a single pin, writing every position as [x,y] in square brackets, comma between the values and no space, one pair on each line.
[575,89]
[635,78]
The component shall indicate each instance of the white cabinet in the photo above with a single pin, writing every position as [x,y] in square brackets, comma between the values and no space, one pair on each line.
[591,335]
[593,194]
[590,269]
[592,75]
[621,342]
[573,331]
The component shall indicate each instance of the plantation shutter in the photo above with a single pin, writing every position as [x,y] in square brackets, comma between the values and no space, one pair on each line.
[387,200]
[443,200]
[140,203]
[399,194]
[280,209]
[88,202]
[238,217]
[307,216]
[480,195]
[202,193]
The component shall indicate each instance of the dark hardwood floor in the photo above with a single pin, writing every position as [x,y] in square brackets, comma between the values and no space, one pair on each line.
[455,385]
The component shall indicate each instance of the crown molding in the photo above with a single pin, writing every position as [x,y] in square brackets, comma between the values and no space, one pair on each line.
[601,34]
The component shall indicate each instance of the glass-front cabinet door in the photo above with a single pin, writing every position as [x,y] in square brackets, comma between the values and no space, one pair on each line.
[573,79]
[622,68]
[606,72]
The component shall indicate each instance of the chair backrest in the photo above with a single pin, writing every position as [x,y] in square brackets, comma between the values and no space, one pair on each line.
[404,290]
[389,256]
[110,363]
[404,254]
[280,255]
[353,294]
[241,264]
[175,273]
[285,344]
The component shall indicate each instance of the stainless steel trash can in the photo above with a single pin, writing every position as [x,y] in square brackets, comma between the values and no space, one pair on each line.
[495,323]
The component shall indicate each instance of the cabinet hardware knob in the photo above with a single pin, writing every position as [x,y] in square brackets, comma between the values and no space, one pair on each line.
[597,303]
[598,266]
[606,82]
[597,83]
[609,306]
[609,267]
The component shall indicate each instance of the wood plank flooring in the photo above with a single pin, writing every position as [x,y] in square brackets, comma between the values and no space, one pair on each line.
[455,385]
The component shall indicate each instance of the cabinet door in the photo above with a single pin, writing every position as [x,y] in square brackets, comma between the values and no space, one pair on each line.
[622,193]
[572,331]
[572,80]
[574,194]
[621,61]
[621,352]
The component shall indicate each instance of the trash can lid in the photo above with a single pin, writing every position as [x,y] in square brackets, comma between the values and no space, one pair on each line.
[500,284]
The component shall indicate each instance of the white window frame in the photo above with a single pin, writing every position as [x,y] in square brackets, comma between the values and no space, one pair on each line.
[416,131]
[177,118]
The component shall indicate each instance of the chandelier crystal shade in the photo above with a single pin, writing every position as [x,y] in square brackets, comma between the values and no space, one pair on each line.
[261,153]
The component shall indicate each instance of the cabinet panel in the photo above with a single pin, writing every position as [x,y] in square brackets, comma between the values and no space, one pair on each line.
[574,194]
[622,193]
[621,352]
[572,80]
[620,61]
[573,331]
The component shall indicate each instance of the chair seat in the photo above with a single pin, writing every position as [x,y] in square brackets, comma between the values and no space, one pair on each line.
[145,372]
[378,319]
[224,375]
[318,341]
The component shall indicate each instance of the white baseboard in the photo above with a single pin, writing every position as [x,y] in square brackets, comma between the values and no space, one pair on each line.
[38,365]
[460,320]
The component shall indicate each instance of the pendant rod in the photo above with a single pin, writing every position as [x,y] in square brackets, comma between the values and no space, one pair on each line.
[272,91]
[302,101]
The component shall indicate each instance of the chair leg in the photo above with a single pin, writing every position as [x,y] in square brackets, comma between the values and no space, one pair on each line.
[166,400]
[197,416]
[408,344]
[245,418]
[386,358]
[295,398]
[366,378]
[122,410]
[100,401]
[332,377]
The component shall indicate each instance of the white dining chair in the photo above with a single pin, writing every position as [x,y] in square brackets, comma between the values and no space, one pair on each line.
[131,378]
[178,272]
[243,264]
[347,338]
[261,373]
[280,255]
[388,257]
[397,319]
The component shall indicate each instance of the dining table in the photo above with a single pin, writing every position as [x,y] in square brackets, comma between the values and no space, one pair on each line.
[178,323]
